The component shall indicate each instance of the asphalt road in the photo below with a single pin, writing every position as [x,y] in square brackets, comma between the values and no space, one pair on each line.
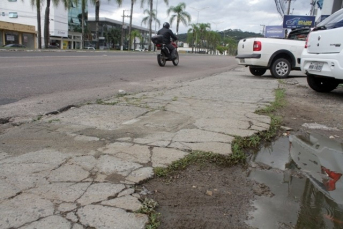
[40,82]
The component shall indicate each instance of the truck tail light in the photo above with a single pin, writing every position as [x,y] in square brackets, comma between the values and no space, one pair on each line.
[306,41]
[257,46]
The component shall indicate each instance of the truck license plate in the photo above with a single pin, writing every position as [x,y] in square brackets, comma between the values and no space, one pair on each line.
[316,66]
[242,61]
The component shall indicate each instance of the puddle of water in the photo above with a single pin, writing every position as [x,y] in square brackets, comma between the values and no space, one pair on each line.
[306,178]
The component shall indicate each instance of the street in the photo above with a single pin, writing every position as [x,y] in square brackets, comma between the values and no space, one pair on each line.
[58,79]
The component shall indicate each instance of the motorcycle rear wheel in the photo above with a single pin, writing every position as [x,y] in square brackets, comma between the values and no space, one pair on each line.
[176,61]
[161,60]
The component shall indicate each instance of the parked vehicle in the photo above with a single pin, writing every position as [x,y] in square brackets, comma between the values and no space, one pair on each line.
[165,53]
[280,56]
[322,57]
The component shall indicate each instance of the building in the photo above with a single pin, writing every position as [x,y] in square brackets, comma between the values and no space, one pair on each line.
[113,34]
[324,8]
[18,24]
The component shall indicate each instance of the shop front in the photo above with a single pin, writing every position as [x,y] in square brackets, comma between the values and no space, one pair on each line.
[13,33]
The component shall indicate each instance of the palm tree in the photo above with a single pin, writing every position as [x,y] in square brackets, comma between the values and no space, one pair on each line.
[192,34]
[213,40]
[151,3]
[179,14]
[134,34]
[203,29]
[130,26]
[37,3]
[151,17]
[97,13]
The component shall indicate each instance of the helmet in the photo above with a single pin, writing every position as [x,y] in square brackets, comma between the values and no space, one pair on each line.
[166,25]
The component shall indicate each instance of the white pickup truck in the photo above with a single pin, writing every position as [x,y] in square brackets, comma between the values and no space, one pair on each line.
[280,56]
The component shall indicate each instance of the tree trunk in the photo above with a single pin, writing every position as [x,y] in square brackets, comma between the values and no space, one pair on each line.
[83,24]
[150,23]
[97,12]
[130,27]
[46,24]
[39,26]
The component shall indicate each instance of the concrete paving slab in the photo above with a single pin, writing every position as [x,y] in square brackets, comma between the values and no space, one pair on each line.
[68,173]
[140,175]
[24,209]
[128,152]
[162,157]
[65,192]
[109,164]
[104,217]
[129,203]
[100,192]
[57,222]
[99,116]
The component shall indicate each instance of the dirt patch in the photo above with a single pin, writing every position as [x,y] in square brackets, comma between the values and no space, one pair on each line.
[215,197]
[307,106]
[207,196]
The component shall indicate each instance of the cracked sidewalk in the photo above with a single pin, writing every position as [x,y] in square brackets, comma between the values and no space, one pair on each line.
[78,169]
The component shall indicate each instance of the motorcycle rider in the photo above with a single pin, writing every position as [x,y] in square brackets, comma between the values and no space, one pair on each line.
[167,35]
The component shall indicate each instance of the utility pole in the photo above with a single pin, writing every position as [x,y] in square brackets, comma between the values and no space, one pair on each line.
[289,7]
[122,31]
[263,27]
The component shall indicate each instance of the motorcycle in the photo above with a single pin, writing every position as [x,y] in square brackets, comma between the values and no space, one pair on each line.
[165,54]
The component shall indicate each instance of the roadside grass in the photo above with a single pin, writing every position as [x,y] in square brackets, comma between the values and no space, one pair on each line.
[148,208]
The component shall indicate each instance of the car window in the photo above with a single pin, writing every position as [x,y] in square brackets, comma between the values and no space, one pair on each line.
[333,21]
[299,34]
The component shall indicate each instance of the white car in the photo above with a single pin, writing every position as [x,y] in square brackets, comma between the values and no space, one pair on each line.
[322,57]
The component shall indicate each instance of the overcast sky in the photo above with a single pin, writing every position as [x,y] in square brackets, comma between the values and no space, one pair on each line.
[247,15]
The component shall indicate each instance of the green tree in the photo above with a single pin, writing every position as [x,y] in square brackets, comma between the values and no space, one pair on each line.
[213,40]
[38,5]
[151,16]
[151,3]
[134,34]
[130,26]
[192,35]
[179,14]
[203,30]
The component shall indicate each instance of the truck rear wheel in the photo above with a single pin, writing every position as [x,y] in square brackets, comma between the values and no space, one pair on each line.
[280,68]
[320,84]
[257,71]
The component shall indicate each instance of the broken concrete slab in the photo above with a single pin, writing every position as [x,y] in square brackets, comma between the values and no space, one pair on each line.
[140,175]
[23,209]
[110,164]
[162,157]
[129,203]
[99,116]
[100,192]
[54,221]
[104,217]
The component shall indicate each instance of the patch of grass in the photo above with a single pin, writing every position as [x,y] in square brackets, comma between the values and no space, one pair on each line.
[101,102]
[148,208]
[278,103]
[39,117]
[54,120]
[175,98]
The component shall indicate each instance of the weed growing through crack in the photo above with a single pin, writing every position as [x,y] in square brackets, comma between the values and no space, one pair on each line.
[148,208]
[54,120]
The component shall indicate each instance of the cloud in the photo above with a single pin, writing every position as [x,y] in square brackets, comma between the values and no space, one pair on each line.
[247,15]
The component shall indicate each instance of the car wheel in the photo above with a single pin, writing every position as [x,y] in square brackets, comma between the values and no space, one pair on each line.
[281,68]
[257,71]
[320,84]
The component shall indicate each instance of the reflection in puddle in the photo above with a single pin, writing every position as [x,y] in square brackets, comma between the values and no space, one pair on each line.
[305,174]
